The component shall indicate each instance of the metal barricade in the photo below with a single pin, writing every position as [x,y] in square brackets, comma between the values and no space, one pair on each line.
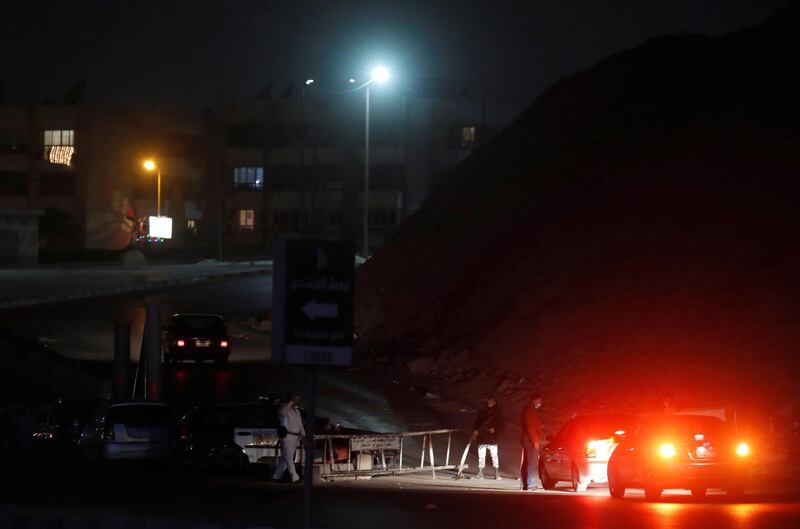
[389,448]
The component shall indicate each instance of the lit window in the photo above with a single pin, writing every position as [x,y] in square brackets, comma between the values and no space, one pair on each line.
[191,226]
[59,146]
[248,177]
[467,136]
[247,219]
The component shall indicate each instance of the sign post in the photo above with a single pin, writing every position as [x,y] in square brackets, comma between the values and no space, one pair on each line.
[312,320]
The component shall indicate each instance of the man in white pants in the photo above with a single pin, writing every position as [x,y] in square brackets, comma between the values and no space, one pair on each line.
[485,432]
[289,418]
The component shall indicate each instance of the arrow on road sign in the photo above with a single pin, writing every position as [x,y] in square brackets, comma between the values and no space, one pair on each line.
[315,310]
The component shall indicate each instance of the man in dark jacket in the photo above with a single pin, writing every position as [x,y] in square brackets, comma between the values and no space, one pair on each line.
[531,437]
[488,426]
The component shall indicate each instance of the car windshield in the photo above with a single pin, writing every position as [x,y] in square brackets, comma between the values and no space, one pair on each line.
[138,415]
[684,426]
[198,324]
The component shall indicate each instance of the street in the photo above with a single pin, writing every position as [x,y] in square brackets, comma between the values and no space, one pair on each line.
[391,502]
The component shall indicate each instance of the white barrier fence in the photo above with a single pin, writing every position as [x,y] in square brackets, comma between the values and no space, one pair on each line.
[380,454]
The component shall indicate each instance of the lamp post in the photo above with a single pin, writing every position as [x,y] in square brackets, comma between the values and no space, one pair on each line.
[150,165]
[379,75]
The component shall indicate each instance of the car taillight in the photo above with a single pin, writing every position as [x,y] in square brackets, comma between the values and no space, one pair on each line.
[180,343]
[591,449]
[742,450]
[223,343]
[108,432]
[666,451]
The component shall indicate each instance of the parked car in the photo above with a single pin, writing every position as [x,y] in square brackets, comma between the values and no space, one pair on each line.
[197,337]
[229,436]
[579,452]
[680,451]
[128,431]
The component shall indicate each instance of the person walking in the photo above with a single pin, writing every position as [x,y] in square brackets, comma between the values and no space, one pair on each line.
[290,431]
[531,437]
[488,426]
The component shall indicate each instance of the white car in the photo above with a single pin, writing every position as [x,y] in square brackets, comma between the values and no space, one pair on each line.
[128,431]
[579,452]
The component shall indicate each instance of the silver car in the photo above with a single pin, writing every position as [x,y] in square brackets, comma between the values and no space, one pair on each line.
[579,452]
[128,431]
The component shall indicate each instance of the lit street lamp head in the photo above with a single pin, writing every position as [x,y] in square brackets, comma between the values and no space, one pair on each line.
[380,74]
[309,81]
[149,165]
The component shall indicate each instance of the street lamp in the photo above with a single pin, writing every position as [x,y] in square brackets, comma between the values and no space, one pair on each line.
[150,165]
[380,74]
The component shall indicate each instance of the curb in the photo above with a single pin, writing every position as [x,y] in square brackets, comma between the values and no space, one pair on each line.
[129,289]
[12,517]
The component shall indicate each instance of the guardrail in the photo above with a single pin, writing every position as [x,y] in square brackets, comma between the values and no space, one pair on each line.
[390,448]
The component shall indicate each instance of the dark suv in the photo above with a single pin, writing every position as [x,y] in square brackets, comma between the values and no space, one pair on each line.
[196,337]
[692,452]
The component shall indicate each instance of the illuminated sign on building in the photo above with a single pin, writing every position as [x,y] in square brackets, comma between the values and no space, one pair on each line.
[61,154]
[160,227]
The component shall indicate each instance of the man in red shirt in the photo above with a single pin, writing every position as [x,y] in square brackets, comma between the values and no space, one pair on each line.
[531,436]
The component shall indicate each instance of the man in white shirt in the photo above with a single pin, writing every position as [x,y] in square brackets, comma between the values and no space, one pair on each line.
[289,418]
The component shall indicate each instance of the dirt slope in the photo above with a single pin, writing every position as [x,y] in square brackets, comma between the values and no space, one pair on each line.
[636,230]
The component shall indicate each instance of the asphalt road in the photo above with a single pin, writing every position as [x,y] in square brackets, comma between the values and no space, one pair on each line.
[386,504]
[84,331]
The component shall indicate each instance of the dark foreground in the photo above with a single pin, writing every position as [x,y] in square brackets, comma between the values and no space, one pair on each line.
[384,503]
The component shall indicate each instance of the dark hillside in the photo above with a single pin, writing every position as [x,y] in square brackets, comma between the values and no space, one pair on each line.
[636,230]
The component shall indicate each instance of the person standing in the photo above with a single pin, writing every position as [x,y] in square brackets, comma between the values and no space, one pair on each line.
[291,431]
[531,437]
[488,426]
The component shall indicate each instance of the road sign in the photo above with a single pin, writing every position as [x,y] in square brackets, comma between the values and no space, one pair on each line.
[312,303]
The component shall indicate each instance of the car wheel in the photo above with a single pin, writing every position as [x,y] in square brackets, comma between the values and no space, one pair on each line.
[615,488]
[652,493]
[699,492]
[547,482]
[576,480]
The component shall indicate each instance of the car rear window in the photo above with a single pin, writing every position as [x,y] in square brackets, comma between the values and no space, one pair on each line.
[138,415]
[596,426]
[685,426]
[207,324]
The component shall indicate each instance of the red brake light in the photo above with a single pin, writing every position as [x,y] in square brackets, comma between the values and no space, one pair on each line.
[742,450]
[223,343]
[667,451]
[180,343]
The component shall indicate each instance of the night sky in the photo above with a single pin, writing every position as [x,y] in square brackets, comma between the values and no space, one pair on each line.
[174,51]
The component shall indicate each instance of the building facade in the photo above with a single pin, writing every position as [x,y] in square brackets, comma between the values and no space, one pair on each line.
[238,174]
[293,164]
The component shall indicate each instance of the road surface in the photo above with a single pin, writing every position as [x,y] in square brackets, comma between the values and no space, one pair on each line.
[387,503]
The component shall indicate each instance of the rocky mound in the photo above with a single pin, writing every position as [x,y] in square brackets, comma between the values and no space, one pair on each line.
[635,231]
